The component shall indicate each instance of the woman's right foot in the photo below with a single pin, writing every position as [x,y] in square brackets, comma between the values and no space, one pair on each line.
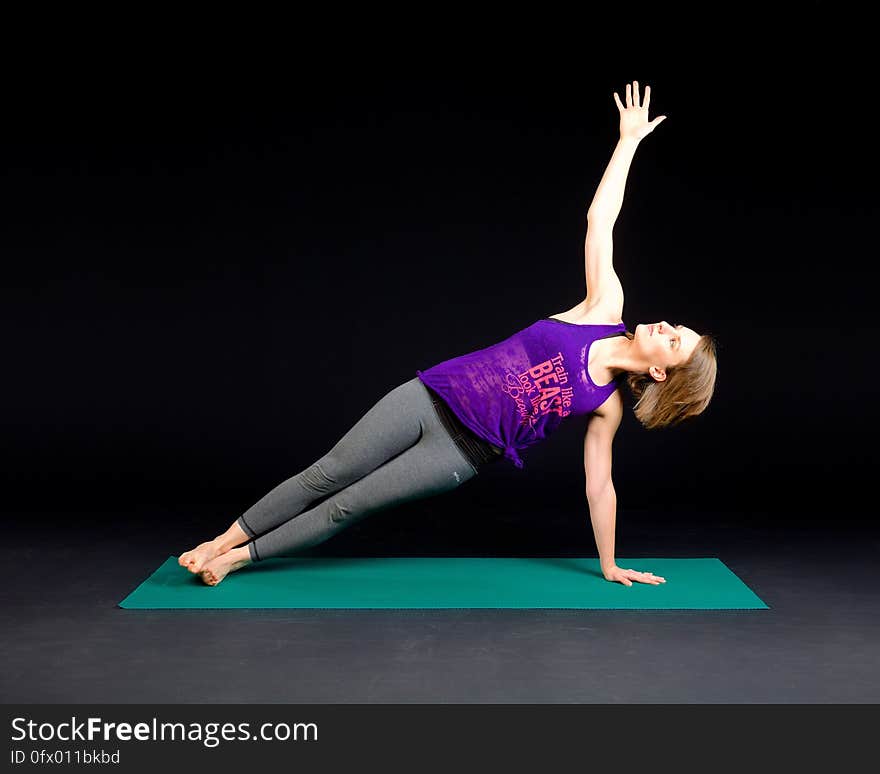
[202,554]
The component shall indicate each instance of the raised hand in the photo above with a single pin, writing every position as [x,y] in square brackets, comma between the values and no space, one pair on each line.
[634,121]
[626,577]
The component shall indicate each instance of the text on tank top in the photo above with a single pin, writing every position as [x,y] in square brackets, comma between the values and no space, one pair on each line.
[515,393]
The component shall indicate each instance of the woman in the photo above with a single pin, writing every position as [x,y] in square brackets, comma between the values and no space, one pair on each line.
[432,433]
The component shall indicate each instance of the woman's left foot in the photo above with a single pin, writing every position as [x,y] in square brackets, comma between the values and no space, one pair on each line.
[199,556]
[220,566]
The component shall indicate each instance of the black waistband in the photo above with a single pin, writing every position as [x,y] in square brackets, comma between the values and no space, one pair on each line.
[477,451]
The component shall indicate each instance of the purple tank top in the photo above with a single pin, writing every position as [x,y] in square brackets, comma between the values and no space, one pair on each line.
[517,392]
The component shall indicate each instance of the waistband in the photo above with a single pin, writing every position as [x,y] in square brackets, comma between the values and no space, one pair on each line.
[477,450]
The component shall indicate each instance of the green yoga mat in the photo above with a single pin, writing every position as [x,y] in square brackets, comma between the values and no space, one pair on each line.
[430,582]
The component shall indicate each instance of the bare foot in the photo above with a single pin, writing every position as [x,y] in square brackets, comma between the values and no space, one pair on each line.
[194,560]
[219,567]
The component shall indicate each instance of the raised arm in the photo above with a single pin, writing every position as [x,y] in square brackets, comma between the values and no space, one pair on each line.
[603,284]
[608,198]
[634,127]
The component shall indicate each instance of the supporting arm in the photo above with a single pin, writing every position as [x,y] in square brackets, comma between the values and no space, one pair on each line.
[603,515]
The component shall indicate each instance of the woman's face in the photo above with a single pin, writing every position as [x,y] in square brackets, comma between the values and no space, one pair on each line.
[663,344]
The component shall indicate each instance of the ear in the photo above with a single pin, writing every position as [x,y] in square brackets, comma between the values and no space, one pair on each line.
[658,374]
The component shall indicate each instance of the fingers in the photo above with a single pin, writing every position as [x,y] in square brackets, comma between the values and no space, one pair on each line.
[627,576]
[645,577]
[632,97]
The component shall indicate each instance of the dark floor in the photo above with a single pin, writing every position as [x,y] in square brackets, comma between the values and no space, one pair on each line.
[65,640]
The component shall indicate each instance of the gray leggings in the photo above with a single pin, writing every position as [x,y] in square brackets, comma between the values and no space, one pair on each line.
[397,452]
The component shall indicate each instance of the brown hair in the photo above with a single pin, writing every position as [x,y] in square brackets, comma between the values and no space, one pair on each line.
[686,391]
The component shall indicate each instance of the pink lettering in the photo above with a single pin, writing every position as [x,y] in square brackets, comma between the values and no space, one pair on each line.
[543,368]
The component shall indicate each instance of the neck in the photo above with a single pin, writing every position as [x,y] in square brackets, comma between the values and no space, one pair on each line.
[620,357]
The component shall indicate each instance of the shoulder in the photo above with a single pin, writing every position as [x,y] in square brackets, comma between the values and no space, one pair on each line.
[605,317]
[599,313]
[611,410]
[592,313]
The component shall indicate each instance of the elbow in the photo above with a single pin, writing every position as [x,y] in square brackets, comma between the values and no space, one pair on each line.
[598,216]
[601,491]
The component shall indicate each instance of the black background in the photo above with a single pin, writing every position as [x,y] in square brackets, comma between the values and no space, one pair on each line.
[220,250]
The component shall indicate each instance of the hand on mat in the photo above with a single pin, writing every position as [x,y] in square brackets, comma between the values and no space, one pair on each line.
[626,577]
[634,121]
